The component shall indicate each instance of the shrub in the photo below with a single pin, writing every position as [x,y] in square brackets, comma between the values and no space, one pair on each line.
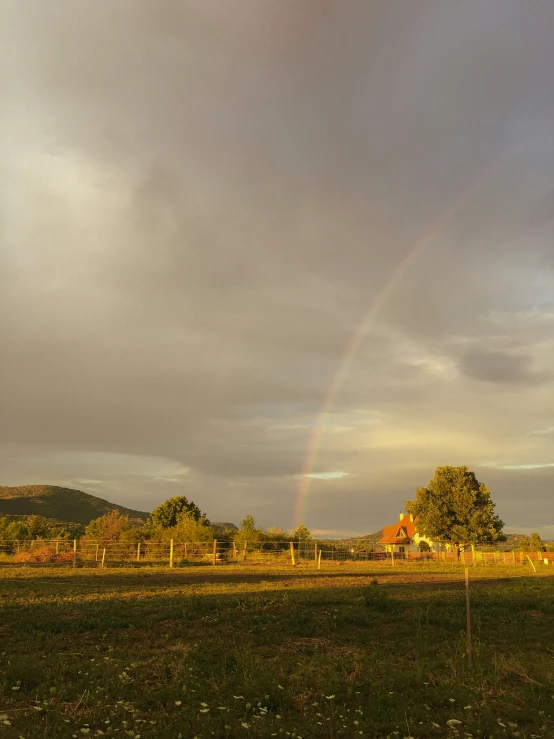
[46,554]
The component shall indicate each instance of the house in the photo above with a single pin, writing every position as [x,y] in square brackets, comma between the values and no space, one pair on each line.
[403,537]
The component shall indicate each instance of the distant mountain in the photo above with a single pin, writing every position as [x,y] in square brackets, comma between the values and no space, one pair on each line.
[513,541]
[372,539]
[62,504]
[368,540]
[223,526]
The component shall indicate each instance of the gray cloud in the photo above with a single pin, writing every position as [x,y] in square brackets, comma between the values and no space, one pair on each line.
[210,213]
[498,366]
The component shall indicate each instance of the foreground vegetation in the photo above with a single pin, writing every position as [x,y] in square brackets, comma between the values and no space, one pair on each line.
[351,651]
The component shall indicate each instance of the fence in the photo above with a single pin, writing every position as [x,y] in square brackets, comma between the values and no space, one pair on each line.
[172,553]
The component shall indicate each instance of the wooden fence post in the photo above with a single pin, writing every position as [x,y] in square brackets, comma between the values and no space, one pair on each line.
[96,555]
[234,551]
[392,555]
[319,560]
[244,551]
[315,552]
[57,547]
[292,553]
[74,552]
[215,553]
[468,622]
[103,556]
[185,550]
[138,552]
[532,563]
[171,552]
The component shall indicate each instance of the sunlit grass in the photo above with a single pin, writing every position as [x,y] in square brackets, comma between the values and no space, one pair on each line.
[276,651]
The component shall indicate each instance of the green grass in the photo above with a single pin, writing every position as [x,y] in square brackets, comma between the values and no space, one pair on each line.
[274,651]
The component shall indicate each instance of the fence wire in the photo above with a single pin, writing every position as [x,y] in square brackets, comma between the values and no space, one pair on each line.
[173,553]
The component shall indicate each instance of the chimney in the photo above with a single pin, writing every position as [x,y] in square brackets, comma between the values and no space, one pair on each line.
[401,515]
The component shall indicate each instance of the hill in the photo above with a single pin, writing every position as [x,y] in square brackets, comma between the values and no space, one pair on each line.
[367,540]
[62,504]
[223,526]
[372,539]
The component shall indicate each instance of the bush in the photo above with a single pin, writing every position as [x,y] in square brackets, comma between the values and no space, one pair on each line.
[46,554]
[107,528]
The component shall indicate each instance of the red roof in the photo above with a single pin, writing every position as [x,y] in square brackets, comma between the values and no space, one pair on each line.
[399,533]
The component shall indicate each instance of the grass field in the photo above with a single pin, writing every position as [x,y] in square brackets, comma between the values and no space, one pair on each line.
[348,651]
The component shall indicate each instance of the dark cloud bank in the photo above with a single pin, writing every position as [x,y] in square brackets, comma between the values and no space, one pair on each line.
[199,203]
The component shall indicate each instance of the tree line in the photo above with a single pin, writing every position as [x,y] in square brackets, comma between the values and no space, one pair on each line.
[454,509]
[177,518]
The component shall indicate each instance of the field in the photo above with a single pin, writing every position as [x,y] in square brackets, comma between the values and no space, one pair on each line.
[353,650]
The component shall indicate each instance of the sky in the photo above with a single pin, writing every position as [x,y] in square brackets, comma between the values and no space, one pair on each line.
[282,258]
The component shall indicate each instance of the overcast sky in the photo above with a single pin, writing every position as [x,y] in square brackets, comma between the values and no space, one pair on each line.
[204,205]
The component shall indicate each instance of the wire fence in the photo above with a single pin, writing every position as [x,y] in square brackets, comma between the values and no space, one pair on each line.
[172,553]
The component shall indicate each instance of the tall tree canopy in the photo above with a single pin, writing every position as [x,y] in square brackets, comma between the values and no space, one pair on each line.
[108,527]
[167,515]
[302,533]
[535,543]
[455,508]
[248,530]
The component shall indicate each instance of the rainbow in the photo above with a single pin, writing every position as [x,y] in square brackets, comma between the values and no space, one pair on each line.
[407,259]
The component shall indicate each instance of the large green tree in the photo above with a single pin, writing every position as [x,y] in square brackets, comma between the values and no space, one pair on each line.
[37,527]
[248,531]
[167,515]
[456,509]
[302,533]
[535,543]
[188,528]
[107,528]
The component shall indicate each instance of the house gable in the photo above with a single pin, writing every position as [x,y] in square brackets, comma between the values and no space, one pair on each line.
[404,533]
